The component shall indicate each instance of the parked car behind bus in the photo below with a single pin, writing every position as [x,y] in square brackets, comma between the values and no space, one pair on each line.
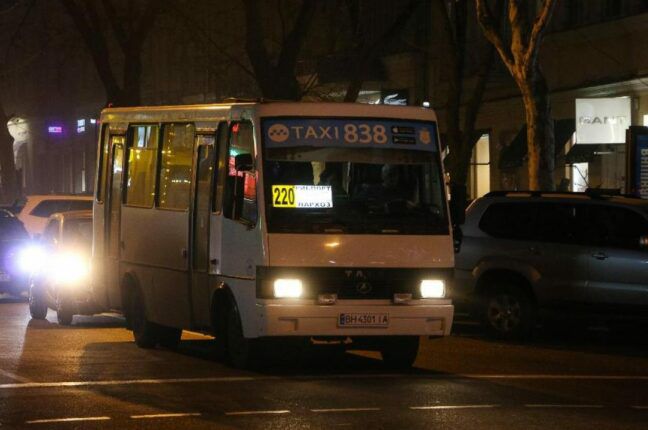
[62,279]
[528,254]
[38,208]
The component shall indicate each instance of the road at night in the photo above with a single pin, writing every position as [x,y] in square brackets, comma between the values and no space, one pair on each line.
[91,375]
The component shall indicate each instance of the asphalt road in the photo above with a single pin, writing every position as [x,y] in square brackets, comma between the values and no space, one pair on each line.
[91,375]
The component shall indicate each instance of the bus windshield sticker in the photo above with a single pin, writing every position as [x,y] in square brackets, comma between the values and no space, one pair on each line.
[346,132]
[302,196]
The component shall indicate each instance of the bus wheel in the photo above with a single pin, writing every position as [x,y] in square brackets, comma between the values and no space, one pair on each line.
[145,332]
[399,352]
[37,308]
[169,337]
[240,351]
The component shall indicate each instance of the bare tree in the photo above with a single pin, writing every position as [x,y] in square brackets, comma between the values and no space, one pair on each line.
[276,74]
[130,31]
[520,56]
[461,137]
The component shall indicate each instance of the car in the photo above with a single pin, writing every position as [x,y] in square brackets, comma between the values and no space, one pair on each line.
[557,257]
[36,209]
[14,240]
[61,281]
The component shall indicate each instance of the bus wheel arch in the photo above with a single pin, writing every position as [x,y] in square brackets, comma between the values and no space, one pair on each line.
[240,351]
[134,307]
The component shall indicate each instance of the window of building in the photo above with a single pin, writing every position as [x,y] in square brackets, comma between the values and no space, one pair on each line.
[479,177]
[175,170]
[142,161]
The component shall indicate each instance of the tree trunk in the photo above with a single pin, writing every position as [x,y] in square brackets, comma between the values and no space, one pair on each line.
[10,190]
[130,94]
[540,133]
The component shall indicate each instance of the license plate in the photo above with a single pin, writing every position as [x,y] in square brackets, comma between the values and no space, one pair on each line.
[363,320]
[5,277]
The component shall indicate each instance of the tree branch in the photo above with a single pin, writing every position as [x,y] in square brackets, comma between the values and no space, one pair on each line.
[295,39]
[490,29]
[254,41]
[193,25]
[115,24]
[539,27]
[95,42]
[145,23]
[365,59]
[19,27]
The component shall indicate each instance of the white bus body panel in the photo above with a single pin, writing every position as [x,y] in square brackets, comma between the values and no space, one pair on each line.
[307,318]
[317,250]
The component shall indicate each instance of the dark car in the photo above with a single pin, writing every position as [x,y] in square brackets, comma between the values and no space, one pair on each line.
[563,257]
[14,239]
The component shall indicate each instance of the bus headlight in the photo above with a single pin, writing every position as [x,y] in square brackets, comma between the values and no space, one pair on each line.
[70,268]
[288,288]
[432,289]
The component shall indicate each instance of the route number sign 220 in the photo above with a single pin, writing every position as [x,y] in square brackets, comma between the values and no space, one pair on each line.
[283,196]
[302,196]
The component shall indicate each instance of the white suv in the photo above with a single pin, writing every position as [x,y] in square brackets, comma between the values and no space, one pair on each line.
[38,208]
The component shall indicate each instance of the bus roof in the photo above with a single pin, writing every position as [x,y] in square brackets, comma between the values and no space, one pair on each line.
[207,112]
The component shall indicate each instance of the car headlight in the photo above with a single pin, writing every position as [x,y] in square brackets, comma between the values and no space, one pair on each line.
[288,288]
[30,259]
[432,289]
[69,268]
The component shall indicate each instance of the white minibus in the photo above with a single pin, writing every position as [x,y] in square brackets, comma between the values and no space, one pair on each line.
[263,221]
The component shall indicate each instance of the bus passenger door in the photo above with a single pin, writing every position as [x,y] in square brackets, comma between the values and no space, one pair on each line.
[205,164]
[112,234]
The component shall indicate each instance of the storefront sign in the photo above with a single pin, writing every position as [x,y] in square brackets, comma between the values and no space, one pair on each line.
[641,160]
[602,120]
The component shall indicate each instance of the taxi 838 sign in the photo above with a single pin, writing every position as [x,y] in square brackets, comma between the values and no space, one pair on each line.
[325,132]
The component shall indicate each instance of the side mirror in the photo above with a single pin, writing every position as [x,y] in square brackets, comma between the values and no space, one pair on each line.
[243,162]
[643,242]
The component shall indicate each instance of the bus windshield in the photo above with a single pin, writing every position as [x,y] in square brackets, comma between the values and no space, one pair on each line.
[354,189]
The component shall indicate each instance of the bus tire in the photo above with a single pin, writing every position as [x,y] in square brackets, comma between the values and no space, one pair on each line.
[145,332]
[169,337]
[37,307]
[399,352]
[240,351]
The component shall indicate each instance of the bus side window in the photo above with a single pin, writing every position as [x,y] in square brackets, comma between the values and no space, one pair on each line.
[221,166]
[175,170]
[240,183]
[142,161]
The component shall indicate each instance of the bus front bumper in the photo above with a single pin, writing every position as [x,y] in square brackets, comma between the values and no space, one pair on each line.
[419,318]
